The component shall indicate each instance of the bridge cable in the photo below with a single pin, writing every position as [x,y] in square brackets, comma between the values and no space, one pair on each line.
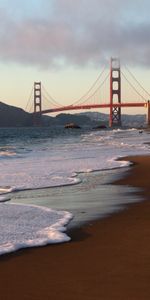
[31,110]
[49,102]
[52,99]
[96,89]
[57,104]
[29,99]
[99,76]
[133,87]
[137,81]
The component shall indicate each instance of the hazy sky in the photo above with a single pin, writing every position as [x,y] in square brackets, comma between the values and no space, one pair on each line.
[65,43]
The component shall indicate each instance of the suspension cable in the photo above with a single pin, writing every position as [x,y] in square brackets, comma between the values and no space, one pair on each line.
[52,99]
[59,105]
[29,99]
[50,102]
[133,87]
[31,108]
[137,81]
[95,82]
[47,97]
[96,89]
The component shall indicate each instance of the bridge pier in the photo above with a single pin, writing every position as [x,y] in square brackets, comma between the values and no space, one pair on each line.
[148,113]
[37,120]
[115,93]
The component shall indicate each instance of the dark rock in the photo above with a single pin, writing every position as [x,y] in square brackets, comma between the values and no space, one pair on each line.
[100,127]
[72,125]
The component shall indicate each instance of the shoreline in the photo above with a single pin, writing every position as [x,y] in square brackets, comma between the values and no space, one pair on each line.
[107,259]
[77,198]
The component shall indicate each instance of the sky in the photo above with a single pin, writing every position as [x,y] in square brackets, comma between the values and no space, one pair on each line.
[66,43]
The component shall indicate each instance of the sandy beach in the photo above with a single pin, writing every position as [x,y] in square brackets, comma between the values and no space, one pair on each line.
[107,259]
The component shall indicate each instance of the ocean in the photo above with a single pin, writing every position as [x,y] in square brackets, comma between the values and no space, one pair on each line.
[53,176]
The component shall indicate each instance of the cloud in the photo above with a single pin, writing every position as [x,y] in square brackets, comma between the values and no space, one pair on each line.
[77,32]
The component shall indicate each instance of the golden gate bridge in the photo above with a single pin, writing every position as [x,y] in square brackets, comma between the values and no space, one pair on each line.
[99,96]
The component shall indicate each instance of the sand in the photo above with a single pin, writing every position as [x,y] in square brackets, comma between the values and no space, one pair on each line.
[107,259]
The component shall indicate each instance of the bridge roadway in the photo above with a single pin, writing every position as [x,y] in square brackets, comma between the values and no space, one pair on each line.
[90,106]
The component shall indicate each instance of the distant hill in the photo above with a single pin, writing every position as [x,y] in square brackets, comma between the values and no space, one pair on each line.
[81,120]
[63,119]
[11,116]
[127,120]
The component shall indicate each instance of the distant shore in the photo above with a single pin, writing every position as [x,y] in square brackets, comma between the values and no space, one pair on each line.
[107,259]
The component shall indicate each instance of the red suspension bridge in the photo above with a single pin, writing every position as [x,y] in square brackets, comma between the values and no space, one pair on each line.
[99,96]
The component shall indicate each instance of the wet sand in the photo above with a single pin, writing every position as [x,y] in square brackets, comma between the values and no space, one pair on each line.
[108,259]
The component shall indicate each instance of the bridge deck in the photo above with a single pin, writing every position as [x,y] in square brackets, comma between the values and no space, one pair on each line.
[82,107]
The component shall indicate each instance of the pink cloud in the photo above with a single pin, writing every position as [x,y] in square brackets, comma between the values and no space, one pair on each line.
[78,32]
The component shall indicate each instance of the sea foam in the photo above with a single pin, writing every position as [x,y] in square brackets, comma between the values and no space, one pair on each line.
[50,163]
[23,226]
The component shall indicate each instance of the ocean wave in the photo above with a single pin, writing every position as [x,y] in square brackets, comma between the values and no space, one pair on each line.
[6,189]
[23,226]
[7,154]
[61,162]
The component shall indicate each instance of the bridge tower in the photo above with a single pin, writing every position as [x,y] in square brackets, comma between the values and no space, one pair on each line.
[148,113]
[115,92]
[37,104]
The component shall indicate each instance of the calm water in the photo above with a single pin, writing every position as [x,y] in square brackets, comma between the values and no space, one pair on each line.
[55,169]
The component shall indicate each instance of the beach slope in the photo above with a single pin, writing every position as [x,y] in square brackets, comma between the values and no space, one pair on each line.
[108,259]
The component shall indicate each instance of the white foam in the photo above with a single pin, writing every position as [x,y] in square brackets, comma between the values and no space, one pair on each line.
[122,163]
[86,170]
[4,198]
[58,163]
[7,154]
[6,189]
[23,226]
